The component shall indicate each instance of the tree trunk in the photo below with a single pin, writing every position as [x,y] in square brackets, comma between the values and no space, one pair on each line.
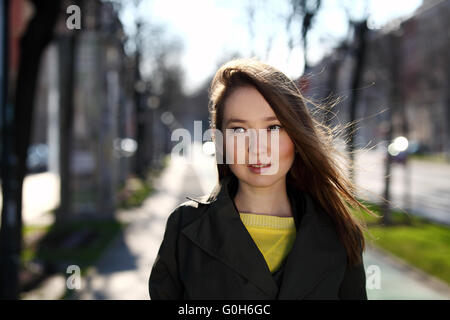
[395,101]
[385,207]
[66,46]
[36,37]
[360,40]
[8,232]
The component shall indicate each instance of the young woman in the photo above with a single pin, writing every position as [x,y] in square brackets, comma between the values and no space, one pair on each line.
[262,233]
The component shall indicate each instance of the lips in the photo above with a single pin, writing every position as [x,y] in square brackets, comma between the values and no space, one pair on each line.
[257,168]
[259,165]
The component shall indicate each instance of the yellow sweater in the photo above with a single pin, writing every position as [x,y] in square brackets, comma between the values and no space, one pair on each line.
[273,235]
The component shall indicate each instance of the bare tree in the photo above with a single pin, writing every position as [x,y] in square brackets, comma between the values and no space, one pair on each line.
[67,43]
[359,49]
[395,102]
[304,11]
[163,74]
[251,10]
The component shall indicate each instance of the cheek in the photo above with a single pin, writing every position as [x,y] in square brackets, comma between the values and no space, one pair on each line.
[234,162]
[231,148]
[286,150]
[237,149]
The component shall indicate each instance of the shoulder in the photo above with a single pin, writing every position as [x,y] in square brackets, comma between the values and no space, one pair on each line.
[181,216]
[186,212]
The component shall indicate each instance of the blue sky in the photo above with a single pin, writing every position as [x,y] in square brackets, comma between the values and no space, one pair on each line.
[212,29]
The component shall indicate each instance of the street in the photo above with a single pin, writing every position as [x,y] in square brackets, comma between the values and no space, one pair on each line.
[428,185]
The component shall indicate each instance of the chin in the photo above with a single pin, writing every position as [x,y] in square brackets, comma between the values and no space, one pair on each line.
[257,180]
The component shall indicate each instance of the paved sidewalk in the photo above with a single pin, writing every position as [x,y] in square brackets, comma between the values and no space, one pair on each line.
[123,271]
[399,280]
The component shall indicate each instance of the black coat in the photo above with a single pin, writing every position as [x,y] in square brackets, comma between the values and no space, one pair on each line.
[207,253]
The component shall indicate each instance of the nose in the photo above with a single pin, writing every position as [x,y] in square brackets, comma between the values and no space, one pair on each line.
[258,148]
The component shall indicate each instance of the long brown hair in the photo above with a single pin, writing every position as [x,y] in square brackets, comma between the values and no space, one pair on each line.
[316,168]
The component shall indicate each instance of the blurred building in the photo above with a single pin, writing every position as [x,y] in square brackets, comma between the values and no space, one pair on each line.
[406,73]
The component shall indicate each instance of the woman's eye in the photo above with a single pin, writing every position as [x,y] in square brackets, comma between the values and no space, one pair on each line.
[242,130]
[238,130]
[274,127]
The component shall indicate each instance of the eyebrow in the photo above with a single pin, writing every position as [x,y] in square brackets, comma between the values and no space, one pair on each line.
[270,118]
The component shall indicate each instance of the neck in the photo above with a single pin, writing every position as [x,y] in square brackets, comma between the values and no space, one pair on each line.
[271,200]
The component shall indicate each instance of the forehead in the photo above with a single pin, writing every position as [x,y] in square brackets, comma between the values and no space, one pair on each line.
[247,103]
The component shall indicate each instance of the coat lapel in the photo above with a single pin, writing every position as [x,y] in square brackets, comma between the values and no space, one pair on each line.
[221,233]
[316,250]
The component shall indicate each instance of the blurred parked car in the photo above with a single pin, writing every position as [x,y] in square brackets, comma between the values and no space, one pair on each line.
[416,147]
[401,157]
[37,159]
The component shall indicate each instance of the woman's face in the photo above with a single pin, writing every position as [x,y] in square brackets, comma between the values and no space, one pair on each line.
[246,109]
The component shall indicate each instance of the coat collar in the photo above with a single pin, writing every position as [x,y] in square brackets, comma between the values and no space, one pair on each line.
[316,251]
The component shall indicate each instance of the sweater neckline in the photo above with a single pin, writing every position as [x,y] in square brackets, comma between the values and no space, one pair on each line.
[267,221]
